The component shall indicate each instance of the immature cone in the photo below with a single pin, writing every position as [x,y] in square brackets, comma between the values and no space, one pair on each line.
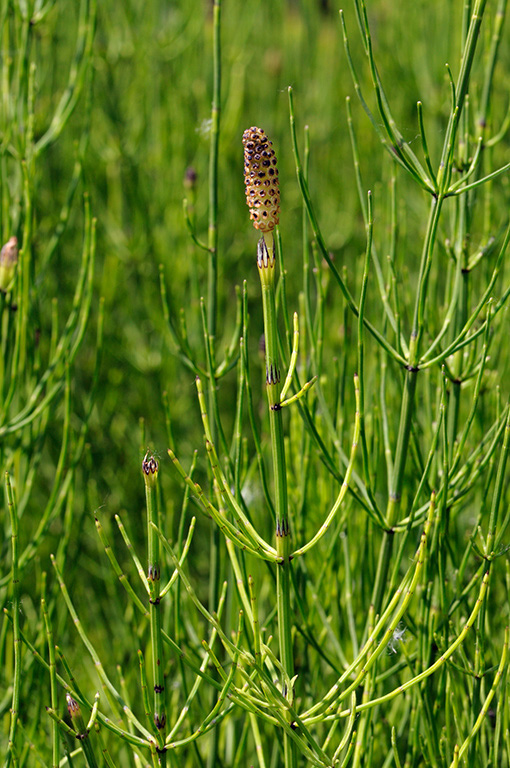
[76,718]
[150,469]
[261,180]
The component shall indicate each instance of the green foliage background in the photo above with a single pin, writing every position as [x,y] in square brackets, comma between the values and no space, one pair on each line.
[142,119]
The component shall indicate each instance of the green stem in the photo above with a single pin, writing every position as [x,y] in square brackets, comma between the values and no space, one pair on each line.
[150,476]
[462,256]
[413,358]
[461,91]
[266,267]
[492,537]
[16,685]
[395,491]
[212,301]
[53,682]
[461,318]
[212,240]
[81,731]
[407,409]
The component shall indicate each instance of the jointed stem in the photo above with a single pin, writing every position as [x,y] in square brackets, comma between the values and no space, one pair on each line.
[407,409]
[266,266]
[150,474]
[212,240]
[212,295]
[16,687]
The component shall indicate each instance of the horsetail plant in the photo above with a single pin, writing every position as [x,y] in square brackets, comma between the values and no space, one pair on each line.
[150,469]
[340,599]
[263,199]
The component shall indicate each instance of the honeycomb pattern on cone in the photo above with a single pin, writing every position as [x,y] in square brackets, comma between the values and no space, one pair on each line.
[261,180]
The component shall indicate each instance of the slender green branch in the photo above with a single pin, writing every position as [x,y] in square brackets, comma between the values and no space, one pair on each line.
[53,681]
[345,485]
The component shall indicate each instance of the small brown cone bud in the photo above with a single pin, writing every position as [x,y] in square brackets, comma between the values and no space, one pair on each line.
[261,180]
[150,469]
[76,718]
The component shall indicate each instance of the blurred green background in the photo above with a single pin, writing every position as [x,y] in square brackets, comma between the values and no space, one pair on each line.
[143,120]
[148,117]
[144,117]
